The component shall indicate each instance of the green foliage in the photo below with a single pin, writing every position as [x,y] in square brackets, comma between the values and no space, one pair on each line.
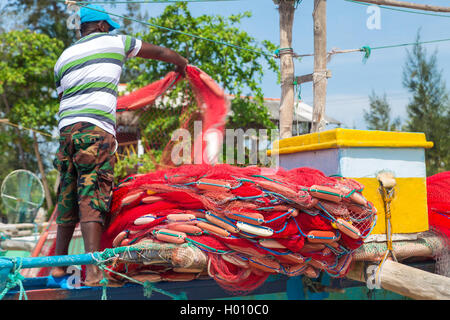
[429,108]
[44,16]
[379,115]
[26,78]
[27,95]
[136,164]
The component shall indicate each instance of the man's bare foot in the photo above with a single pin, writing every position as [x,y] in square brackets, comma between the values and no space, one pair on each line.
[94,275]
[58,272]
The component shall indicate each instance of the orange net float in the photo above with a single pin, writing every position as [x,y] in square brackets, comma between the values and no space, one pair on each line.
[264,264]
[250,217]
[318,236]
[151,199]
[213,229]
[212,185]
[312,247]
[170,236]
[352,195]
[291,258]
[185,228]
[271,243]
[119,238]
[347,228]
[317,264]
[221,222]
[180,217]
[278,188]
[131,198]
[247,250]
[326,193]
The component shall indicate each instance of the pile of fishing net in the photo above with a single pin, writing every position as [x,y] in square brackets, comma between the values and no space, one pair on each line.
[438,198]
[249,224]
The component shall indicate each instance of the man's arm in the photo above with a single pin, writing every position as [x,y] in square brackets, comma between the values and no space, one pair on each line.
[151,51]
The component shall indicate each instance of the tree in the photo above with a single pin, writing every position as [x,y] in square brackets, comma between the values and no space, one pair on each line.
[379,115]
[44,16]
[428,110]
[27,95]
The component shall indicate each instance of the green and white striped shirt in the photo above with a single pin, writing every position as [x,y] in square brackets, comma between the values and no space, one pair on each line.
[88,74]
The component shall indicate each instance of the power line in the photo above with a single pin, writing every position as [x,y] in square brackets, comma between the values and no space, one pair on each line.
[401,10]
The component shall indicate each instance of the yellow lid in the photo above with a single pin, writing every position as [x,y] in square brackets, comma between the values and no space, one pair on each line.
[343,138]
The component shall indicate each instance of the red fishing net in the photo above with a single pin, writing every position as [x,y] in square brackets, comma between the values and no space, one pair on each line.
[251,225]
[438,187]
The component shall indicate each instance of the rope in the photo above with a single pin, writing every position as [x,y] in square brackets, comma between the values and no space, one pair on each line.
[106,255]
[180,32]
[15,279]
[402,10]
[387,195]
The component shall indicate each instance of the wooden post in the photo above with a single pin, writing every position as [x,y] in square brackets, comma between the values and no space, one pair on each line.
[404,4]
[320,65]
[407,281]
[48,197]
[286,10]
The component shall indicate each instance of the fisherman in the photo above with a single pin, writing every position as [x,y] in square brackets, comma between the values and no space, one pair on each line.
[87,76]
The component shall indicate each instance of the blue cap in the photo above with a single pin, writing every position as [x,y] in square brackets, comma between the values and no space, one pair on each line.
[88,15]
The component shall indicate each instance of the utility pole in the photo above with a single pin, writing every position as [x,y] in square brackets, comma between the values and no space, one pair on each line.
[286,9]
[320,74]
[405,4]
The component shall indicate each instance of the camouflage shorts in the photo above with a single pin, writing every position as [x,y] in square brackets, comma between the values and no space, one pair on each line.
[85,161]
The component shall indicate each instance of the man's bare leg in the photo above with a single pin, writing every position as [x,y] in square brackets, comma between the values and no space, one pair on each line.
[92,232]
[64,234]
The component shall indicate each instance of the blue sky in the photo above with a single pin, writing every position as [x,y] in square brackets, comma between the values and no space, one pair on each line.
[352,80]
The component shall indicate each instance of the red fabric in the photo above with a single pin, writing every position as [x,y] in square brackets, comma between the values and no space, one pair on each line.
[210,98]
[148,94]
[438,196]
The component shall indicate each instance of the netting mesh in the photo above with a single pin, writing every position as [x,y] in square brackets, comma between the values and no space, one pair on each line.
[438,197]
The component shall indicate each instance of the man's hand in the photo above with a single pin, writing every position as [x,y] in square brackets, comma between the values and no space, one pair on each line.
[151,51]
[182,68]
